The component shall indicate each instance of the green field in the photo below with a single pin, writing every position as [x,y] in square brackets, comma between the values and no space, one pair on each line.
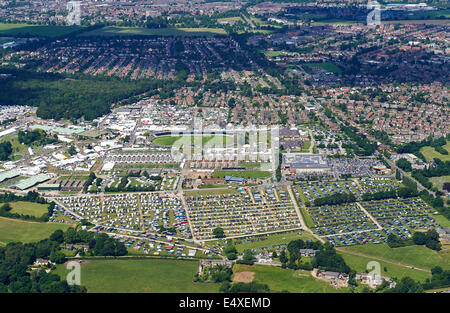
[430,153]
[16,146]
[36,30]
[140,276]
[139,31]
[279,279]
[415,256]
[438,182]
[327,66]
[359,264]
[274,239]
[243,174]
[217,140]
[442,220]
[29,208]
[274,53]
[18,230]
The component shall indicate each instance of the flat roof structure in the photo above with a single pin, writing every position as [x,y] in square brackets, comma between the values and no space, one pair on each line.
[8,175]
[305,161]
[59,130]
[31,181]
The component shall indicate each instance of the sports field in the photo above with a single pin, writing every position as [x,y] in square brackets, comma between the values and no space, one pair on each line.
[217,140]
[36,30]
[327,66]
[29,208]
[140,276]
[279,279]
[140,31]
[26,231]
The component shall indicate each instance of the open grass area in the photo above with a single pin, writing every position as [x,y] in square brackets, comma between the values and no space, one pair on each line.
[16,146]
[25,231]
[279,279]
[430,153]
[274,239]
[327,66]
[140,31]
[243,174]
[36,30]
[217,140]
[140,276]
[416,256]
[439,181]
[274,53]
[29,208]
[442,220]
[359,264]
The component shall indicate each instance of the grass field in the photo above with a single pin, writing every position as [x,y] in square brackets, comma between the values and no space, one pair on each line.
[29,208]
[327,66]
[243,174]
[140,276]
[416,256]
[218,140]
[36,30]
[139,31]
[442,220]
[274,53]
[275,239]
[430,153]
[439,181]
[359,264]
[279,279]
[16,146]
[18,230]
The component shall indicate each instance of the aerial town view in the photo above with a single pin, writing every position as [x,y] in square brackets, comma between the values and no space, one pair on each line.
[234,146]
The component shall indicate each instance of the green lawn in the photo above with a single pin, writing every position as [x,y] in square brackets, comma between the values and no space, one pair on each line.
[416,256]
[18,230]
[327,66]
[274,53]
[36,30]
[442,220]
[279,279]
[140,276]
[274,239]
[217,140]
[133,31]
[16,146]
[430,153]
[439,181]
[359,264]
[243,174]
[29,208]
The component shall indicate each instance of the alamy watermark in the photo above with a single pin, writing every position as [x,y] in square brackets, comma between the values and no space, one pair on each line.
[74,15]
[74,276]
[374,16]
